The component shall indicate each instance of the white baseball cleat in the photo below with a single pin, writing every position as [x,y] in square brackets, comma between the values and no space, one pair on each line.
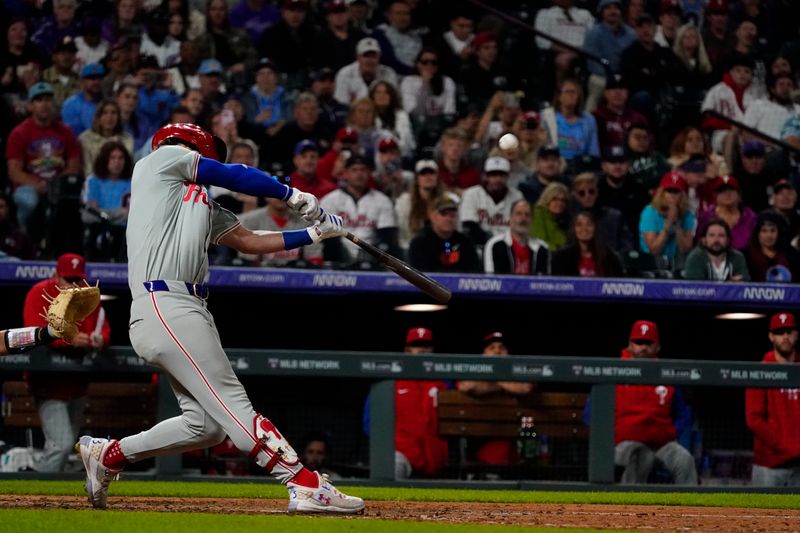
[98,477]
[323,499]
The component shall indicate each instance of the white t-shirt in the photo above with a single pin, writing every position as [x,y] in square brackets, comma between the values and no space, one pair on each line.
[478,206]
[554,21]
[769,117]
[351,86]
[364,217]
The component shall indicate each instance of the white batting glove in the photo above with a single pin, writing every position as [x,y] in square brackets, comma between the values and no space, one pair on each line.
[306,204]
[329,226]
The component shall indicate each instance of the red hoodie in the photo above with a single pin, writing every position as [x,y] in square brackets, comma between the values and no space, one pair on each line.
[643,413]
[773,415]
[714,123]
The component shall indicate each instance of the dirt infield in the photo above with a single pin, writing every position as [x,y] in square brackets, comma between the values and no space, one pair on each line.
[632,517]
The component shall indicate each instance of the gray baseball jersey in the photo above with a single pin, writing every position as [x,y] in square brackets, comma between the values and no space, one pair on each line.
[371,212]
[172,220]
[478,206]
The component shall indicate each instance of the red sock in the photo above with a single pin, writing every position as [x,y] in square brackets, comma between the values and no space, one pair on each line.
[305,478]
[113,458]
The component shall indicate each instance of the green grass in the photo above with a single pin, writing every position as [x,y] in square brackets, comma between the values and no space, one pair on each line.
[263,490]
[20,521]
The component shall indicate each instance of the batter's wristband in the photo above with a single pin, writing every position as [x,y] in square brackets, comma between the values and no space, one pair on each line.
[21,339]
[296,238]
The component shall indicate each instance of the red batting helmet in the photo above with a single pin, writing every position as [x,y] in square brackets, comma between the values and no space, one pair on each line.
[195,137]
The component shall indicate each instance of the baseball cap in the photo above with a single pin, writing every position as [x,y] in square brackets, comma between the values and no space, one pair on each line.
[324,73]
[673,180]
[754,147]
[738,59]
[717,6]
[531,119]
[494,336]
[358,159]
[295,4]
[644,330]
[71,266]
[419,337]
[40,89]
[264,62]
[605,3]
[782,184]
[336,6]
[347,134]
[614,154]
[483,38]
[671,5]
[93,70]
[616,81]
[548,150]
[782,321]
[426,164]
[305,144]
[210,66]
[695,165]
[445,202]
[497,164]
[367,45]
[645,18]
[387,143]
[725,182]
[67,44]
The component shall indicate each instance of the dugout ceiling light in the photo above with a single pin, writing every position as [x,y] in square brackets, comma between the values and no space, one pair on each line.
[740,316]
[107,297]
[420,308]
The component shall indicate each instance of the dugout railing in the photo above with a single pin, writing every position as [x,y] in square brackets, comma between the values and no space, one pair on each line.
[383,368]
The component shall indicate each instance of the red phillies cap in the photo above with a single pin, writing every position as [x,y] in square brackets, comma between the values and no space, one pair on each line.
[387,143]
[717,6]
[494,336]
[417,336]
[71,266]
[347,135]
[782,321]
[673,180]
[725,181]
[483,38]
[644,330]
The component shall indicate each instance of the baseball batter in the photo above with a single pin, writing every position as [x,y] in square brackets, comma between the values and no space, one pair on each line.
[171,223]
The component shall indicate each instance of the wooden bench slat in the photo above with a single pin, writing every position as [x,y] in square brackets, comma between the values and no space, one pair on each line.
[539,399]
[486,429]
[509,414]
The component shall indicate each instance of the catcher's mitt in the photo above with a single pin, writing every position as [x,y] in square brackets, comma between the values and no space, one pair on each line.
[69,307]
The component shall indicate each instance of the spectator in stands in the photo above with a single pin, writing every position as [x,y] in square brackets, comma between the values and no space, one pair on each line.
[772,414]
[520,172]
[455,45]
[157,40]
[230,46]
[769,114]
[134,123]
[691,142]
[315,451]
[412,206]
[266,104]
[157,97]
[91,47]
[123,22]
[253,16]
[106,127]
[551,217]
[784,203]
[291,42]
[439,246]
[574,131]
[389,176]
[79,109]
[646,163]
[354,80]
[61,402]
[691,76]
[194,20]
[369,214]
[648,418]
[607,39]
[698,192]
[612,227]
[484,74]
[61,74]
[418,448]
[305,124]
[52,30]
[746,44]
[107,192]
[304,176]
[277,216]
[669,18]
[613,116]
[183,71]
[666,226]
[18,52]
[547,170]
[118,61]
[331,165]
[400,43]
[337,39]
[717,36]
[728,206]
[647,68]
[770,257]
[455,172]
[40,150]
[495,451]
[585,253]
[790,132]
[499,118]
[390,116]
[714,259]
[428,94]
[485,209]
[13,242]
[618,189]
[565,22]
[332,112]
[731,97]
[756,178]
[516,252]
[532,136]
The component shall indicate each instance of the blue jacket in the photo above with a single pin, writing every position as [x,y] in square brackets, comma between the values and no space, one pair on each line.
[605,42]
[78,113]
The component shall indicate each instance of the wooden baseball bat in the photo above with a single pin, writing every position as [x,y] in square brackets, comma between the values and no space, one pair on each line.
[432,288]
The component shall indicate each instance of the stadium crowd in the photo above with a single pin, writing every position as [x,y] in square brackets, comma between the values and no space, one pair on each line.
[391,112]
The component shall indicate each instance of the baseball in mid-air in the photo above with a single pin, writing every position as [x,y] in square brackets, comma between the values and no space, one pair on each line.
[508,141]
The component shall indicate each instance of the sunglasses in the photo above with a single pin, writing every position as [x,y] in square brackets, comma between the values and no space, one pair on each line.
[782,331]
[673,191]
[431,62]
[74,280]
[587,192]
[642,342]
